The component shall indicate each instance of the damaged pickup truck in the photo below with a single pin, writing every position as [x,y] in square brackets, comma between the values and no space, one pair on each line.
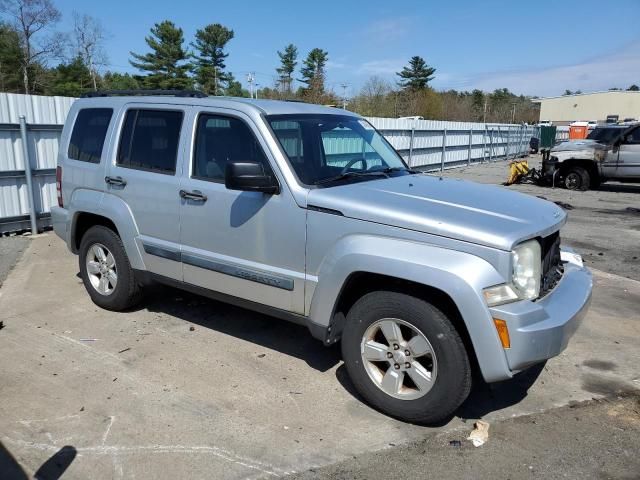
[609,152]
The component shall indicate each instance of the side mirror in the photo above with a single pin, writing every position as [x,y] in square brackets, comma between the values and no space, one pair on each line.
[616,144]
[250,177]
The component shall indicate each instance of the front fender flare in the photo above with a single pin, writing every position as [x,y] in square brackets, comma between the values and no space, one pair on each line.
[460,275]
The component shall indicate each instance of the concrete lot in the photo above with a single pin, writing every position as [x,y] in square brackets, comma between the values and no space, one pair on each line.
[141,395]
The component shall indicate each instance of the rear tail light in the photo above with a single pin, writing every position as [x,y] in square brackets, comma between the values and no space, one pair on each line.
[59,186]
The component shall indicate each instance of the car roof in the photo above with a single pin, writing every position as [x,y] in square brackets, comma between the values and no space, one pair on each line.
[248,105]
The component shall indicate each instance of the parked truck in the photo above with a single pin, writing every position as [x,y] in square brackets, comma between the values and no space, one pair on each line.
[610,152]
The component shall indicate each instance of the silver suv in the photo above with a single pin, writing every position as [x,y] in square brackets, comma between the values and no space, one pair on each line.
[308,214]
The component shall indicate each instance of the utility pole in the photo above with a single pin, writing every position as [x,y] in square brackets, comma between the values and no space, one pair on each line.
[344,95]
[250,79]
[257,85]
[484,112]
[513,114]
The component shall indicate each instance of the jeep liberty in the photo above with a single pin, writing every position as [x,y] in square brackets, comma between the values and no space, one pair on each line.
[308,214]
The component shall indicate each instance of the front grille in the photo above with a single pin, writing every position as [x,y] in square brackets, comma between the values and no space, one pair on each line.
[552,268]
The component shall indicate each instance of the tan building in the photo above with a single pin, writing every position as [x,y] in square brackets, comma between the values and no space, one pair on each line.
[589,106]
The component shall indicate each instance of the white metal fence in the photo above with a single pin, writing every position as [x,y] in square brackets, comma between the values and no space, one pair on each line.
[432,144]
[424,144]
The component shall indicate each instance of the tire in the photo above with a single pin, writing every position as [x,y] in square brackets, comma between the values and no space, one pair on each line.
[449,362]
[126,292]
[577,178]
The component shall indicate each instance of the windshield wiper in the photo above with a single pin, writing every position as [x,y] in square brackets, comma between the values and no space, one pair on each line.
[368,173]
[399,169]
[345,175]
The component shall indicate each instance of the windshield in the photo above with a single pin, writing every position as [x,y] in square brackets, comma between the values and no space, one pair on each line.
[604,135]
[328,149]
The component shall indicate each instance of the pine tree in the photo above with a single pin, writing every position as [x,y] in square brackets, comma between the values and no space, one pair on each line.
[234,87]
[416,75]
[166,64]
[10,54]
[288,62]
[313,73]
[119,81]
[71,79]
[209,68]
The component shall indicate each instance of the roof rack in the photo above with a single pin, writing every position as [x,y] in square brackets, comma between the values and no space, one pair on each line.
[151,93]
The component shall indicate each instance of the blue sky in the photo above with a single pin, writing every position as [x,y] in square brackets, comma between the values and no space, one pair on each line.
[535,48]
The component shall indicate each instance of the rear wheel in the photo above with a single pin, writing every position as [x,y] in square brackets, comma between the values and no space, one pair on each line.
[105,270]
[405,357]
[577,178]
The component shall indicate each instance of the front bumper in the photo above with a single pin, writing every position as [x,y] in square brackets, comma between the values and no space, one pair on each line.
[542,329]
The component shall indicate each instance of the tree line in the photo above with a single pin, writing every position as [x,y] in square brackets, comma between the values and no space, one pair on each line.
[29,43]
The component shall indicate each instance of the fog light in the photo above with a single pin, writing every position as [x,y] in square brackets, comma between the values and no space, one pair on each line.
[503,332]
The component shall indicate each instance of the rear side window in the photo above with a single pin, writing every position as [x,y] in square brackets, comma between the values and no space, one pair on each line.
[149,140]
[89,131]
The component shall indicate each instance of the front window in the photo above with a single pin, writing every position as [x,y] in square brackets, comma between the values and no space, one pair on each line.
[221,140]
[332,149]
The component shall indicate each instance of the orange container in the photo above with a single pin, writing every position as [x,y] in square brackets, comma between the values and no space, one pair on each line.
[578,130]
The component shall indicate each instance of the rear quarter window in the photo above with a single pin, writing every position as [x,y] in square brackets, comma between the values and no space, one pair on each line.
[88,135]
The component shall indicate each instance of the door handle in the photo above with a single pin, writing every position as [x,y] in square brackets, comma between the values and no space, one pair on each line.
[196,195]
[119,181]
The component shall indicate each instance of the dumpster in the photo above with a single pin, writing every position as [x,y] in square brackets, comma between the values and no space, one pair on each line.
[578,130]
[547,137]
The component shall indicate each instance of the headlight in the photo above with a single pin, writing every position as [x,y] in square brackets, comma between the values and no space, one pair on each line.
[525,277]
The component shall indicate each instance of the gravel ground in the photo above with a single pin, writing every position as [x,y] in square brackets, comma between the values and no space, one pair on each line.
[597,439]
[11,249]
[603,225]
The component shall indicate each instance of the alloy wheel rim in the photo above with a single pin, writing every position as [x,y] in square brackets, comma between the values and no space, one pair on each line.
[399,359]
[572,180]
[101,269]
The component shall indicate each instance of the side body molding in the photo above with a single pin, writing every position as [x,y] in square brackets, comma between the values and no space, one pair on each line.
[460,275]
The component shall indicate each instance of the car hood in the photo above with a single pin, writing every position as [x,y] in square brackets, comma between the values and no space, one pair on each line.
[468,211]
[577,145]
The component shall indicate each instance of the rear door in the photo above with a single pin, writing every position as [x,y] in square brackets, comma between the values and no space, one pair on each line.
[145,175]
[629,155]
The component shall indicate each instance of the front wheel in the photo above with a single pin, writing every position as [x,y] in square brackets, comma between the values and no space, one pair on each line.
[405,357]
[577,178]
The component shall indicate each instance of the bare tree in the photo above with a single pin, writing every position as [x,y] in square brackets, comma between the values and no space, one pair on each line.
[32,19]
[89,37]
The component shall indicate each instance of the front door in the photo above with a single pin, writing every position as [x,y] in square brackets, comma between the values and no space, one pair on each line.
[145,174]
[245,244]
[629,155]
